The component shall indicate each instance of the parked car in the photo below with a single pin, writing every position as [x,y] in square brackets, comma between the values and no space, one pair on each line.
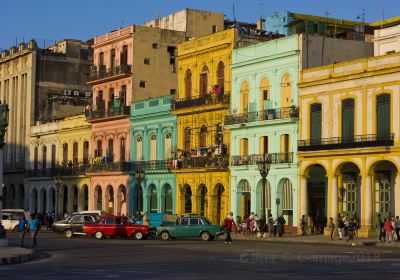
[16,212]
[111,226]
[10,221]
[191,226]
[158,219]
[73,225]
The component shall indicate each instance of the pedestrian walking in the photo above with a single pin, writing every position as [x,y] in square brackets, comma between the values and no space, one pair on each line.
[350,231]
[340,227]
[388,230]
[34,227]
[270,225]
[397,228]
[228,225]
[303,223]
[331,227]
[379,225]
[281,226]
[22,227]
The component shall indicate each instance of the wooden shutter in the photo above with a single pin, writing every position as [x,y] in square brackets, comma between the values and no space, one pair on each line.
[316,123]
[383,115]
[348,120]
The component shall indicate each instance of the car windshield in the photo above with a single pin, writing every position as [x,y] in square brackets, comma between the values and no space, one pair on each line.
[206,221]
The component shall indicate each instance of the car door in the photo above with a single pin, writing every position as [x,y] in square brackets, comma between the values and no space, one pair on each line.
[77,224]
[194,227]
[5,220]
[182,228]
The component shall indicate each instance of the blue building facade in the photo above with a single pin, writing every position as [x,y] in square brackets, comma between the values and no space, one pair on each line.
[153,138]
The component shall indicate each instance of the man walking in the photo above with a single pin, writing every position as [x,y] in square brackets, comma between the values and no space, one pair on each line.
[34,229]
[229,222]
[303,223]
[397,228]
[22,227]
[271,225]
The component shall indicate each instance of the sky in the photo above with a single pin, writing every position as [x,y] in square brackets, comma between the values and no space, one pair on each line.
[49,20]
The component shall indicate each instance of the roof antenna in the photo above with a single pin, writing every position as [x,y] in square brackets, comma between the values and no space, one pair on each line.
[383,17]
[234,15]
[327,13]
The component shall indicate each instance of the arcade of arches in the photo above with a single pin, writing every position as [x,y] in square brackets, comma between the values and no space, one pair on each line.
[361,188]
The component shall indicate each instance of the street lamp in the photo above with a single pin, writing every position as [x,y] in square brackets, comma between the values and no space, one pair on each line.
[58,183]
[139,175]
[264,166]
[3,127]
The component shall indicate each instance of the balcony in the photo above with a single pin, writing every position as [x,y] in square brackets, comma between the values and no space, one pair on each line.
[75,170]
[107,167]
[359,141]
[105,75]
[270,114]
[208,99]
[200,162]
[111,113]
[275,158]
[147,165]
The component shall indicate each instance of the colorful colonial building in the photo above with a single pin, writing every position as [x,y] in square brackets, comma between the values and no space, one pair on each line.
[350,133]
[153,134]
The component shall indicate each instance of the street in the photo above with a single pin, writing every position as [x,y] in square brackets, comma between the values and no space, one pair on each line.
[86,258]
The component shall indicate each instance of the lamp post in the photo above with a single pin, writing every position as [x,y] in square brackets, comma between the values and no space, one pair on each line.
[139,175]
[3,126]
[57,182]
[263,167]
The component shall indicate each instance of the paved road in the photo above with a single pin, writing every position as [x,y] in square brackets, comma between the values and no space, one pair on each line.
[86,258]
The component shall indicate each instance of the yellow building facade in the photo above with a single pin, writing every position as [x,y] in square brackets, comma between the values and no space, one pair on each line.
[350,137]
[201,165]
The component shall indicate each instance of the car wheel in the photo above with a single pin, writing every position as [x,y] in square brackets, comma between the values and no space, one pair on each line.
[98,235]
[68,233]
[205,236]
[165,235]
[138,235]
[15,228]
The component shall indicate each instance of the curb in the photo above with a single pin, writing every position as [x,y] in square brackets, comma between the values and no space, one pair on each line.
[16,258]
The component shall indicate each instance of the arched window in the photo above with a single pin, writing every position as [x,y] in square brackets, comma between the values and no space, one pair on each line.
[203,200]
[264,93]
[153,199]
[188,200]
[221,77]
[244,96]
[203,136]
[99,201]
[287,196]
[86,152]
[204,81]
[122,150]
[348,120]
[139,148]
[220,193]
[153,147]
[168,200]
[44,157]
[187,138]
[286,91]
[188,84]
[167,147]
[99,151]
[383,115]
[110,150]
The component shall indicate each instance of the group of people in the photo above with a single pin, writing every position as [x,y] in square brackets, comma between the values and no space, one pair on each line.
[387,228]
[32,226]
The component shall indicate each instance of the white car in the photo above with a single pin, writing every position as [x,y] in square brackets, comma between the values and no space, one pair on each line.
[10,221]
[16,212]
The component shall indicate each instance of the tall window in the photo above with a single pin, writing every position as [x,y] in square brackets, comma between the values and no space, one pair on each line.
[285,143]
[244,97]
[244,147]
[101,61]
[44,157]
[203,196]
[187,138]
[112,58]
[263,145]
[168,200]
[203,136]
[382,193]
[35,158]
[220,135]
[86,152]
[122,95]
[349,194]
[53,155]
[167,147]
[139,148]
[153,199]
[188,200]
[348,120]
[188,84]
[110,150]
[99,151]
[287,196]
[153,147]
[383,115]
[316,123]
[75,152]
[221,76]
[204,81]
[286,91]
[124,55]
[111,97]
[264,93]
[122,150]
[65,153]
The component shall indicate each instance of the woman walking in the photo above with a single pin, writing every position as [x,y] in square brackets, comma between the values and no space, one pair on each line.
[34,227]
[331,227]
[22,227]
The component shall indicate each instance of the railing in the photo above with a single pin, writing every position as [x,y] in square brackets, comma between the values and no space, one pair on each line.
[274,158]
[111,112]
[115,71]
[107,167]
[208,99]
[56,171]
[200,162]
[147,165]
[269,114]
[359,141]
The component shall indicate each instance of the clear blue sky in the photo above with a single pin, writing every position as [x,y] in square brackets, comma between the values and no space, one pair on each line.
[84,19]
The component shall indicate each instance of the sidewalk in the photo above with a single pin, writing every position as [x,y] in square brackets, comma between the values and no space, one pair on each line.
[9,255]
[317,239]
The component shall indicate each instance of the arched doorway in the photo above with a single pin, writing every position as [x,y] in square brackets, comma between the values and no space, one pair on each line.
[317,195]
[74,198]
[187,199]
[285,196]
[168,202]
[85,198]
[202,201]
[43,201]
[13,197]
[35,201]
[121,200]
[243,198]
[220,205]
[21,197]
[139,198]
[52,198]
[64,205]
[110,200]
[152,194]
[98,196]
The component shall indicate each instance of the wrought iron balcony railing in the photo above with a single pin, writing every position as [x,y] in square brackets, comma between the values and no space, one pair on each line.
[275,158]
[208,99]
[359,141]
[107,167]
[147,165]
[102,73]
[75,170]
[200,162]
[111,112]
[269,114]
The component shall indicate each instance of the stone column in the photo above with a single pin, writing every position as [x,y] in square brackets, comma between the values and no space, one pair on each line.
[334,198]
[368,201]
[303,196]
[396,198]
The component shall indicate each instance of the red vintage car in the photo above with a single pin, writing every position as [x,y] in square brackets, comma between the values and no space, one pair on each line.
[110,226]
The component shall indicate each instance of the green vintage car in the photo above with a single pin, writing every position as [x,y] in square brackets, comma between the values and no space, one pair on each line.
[196,226]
